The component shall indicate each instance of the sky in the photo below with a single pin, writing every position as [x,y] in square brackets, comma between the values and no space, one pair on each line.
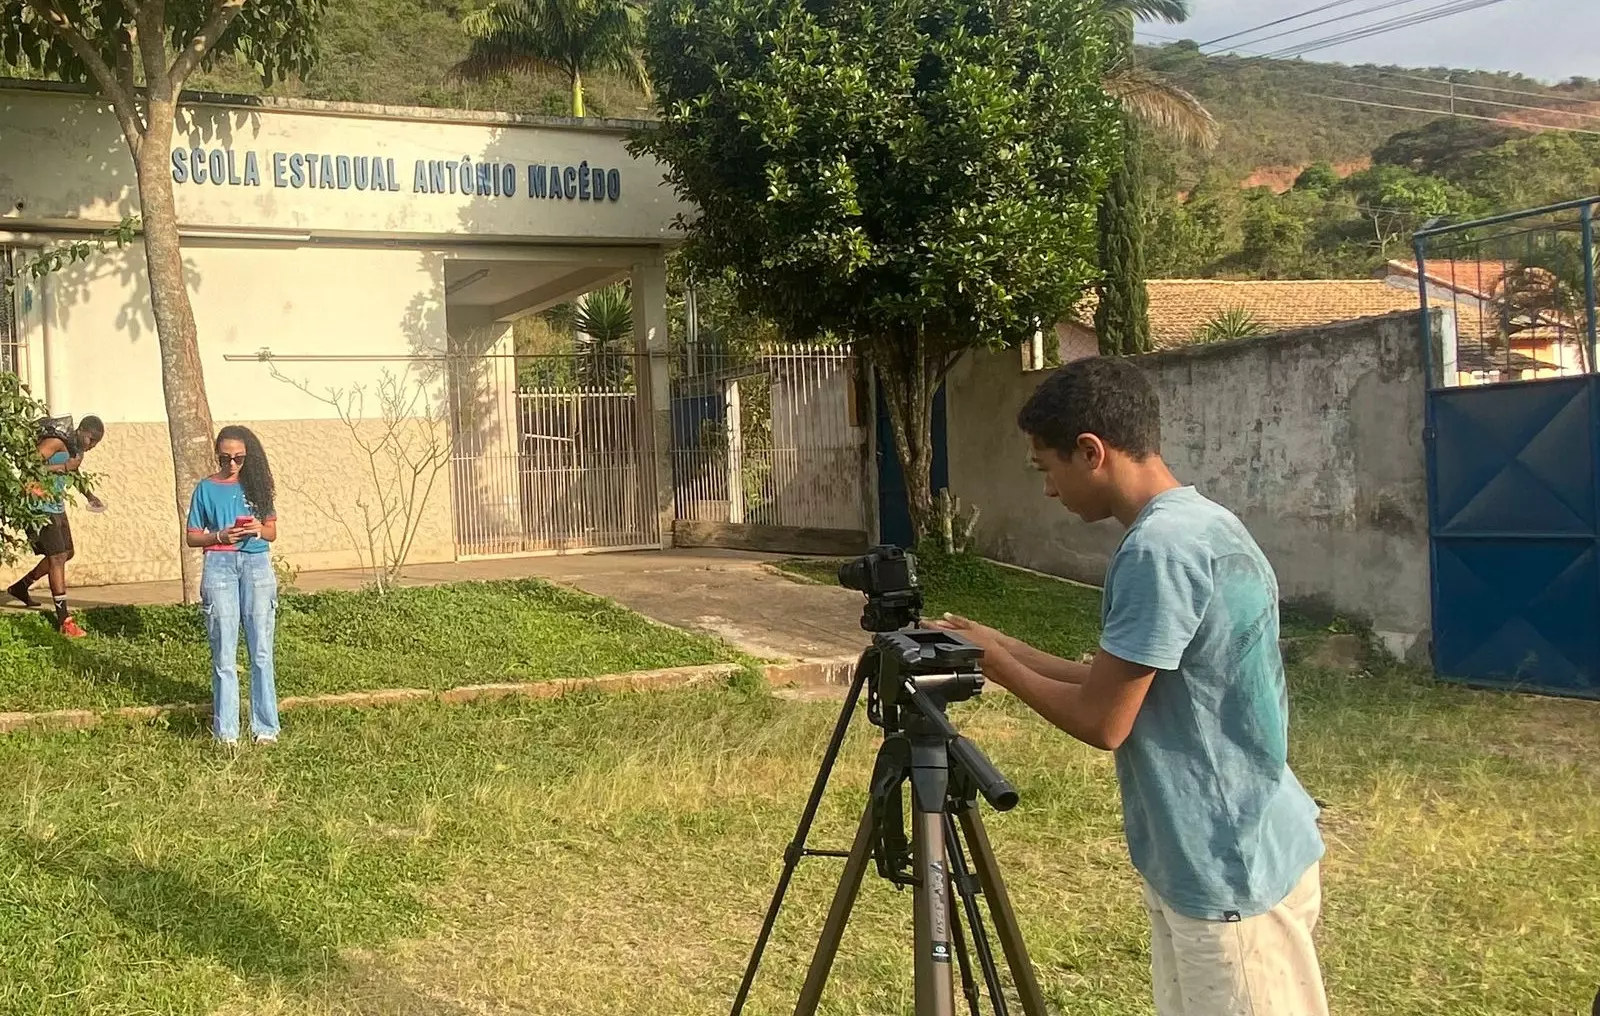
[1550,40]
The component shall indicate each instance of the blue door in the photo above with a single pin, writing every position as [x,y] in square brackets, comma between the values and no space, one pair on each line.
[1514,506]
[894,512]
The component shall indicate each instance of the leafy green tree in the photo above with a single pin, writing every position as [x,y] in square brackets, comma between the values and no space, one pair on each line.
[1318,178]
[1122,312]
[21,470]
[568,37]
[917,182]
[139,55]
[1442,147]
[1395,202]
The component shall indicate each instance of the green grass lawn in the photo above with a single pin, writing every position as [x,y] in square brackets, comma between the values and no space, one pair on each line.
[613,854]
[598,855]
[1056,616]
[437,637]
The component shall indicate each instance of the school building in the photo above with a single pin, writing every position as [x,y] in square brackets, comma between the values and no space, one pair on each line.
[355,273]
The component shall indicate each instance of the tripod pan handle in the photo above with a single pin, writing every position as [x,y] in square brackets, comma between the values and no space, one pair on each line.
[994,787]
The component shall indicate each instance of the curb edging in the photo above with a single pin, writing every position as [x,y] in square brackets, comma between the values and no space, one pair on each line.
[777,675]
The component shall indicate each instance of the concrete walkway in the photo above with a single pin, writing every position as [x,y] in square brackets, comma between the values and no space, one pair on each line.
[729,594]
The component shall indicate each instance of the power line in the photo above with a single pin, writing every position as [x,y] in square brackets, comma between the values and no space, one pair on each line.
[1280,21]
[1384,27]
[1442,112]
[1444,10]
[1390,5]
[1490,88]
[1467,98]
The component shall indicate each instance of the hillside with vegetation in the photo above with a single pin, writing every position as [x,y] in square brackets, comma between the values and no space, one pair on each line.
[1276,116]
[399,52]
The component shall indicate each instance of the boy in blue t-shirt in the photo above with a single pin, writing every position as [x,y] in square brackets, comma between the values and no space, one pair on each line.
[1188,691]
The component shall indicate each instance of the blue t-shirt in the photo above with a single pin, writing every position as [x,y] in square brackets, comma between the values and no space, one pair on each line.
[215,506]
[55,502]
[1216,822]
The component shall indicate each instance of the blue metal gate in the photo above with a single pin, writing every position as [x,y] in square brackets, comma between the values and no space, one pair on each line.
[1513,449]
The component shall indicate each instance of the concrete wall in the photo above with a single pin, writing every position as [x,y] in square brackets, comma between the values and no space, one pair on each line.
[1313,438]
[386,303]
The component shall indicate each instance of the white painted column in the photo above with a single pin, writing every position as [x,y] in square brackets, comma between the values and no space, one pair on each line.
[56,394]
[735,428]
[651,338]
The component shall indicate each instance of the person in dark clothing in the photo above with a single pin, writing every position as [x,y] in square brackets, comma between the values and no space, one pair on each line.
[52,540]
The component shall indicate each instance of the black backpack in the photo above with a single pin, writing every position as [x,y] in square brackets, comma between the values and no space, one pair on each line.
[60,427]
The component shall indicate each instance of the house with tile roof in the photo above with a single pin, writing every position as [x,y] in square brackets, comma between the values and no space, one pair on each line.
[1180,310]
[1503,321]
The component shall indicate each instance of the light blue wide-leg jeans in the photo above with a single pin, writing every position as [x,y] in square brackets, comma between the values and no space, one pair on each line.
[240,588]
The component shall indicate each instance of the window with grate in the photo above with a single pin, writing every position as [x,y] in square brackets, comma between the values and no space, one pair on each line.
[11,348]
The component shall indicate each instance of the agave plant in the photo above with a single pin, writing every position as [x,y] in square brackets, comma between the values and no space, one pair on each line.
[604,323]
[1233,323]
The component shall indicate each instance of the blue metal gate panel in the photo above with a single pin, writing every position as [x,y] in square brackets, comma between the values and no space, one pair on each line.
[1515,522]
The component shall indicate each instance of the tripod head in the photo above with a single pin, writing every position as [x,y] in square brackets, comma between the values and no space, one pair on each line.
[919,673]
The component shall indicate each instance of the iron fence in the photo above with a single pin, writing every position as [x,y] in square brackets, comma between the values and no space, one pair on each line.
[552,453]
[766,437]
[1510,298]
[13,349]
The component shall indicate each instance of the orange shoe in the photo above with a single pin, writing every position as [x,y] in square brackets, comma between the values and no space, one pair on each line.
[70,629]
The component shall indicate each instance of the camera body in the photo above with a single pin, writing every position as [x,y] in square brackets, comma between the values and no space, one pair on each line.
[888,576]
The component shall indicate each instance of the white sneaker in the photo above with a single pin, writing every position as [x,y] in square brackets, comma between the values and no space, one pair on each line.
[264,740]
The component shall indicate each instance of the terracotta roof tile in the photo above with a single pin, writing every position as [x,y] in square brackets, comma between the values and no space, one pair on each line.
[1179,308]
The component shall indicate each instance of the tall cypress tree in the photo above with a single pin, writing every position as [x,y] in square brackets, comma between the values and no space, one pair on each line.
[1122,319]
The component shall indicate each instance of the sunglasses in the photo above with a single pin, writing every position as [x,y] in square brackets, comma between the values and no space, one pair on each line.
[230,460]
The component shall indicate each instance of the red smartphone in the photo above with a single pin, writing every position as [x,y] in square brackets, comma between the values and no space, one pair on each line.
[243,520]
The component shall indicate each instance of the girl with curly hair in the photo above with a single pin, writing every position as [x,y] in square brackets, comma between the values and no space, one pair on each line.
[232,517]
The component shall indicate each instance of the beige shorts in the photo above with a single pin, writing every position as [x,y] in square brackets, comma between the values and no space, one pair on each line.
[1261,966]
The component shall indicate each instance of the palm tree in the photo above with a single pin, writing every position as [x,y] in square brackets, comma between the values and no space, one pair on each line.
[567,37]
[1121,315]
[1146,96]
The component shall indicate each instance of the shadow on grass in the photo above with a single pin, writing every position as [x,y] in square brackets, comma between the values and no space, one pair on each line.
[174,913]
[103,658]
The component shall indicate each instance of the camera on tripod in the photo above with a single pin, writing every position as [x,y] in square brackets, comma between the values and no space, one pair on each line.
[888,577]
[911,675]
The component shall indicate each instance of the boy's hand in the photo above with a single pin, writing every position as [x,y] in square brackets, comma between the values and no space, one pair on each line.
[980,634]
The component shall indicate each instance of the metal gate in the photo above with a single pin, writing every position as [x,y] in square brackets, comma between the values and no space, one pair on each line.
[12,293]
[768,449]
[552,454]
[1513,449]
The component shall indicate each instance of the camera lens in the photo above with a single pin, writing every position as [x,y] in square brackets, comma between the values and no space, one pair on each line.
[855,575]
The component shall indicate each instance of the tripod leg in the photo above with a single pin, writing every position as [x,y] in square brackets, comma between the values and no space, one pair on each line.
[797,846]
[969,987]
[962,881]
[1005,919]
[844,898]
[931,902]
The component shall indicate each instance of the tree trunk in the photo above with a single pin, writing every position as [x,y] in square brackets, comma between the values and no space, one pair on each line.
[908,383]
[577,94]
[183,380]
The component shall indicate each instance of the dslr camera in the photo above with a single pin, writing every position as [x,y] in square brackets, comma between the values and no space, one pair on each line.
[888,576]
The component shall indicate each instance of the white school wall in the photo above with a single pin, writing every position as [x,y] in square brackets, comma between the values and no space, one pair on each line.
[386,303]
[303,272]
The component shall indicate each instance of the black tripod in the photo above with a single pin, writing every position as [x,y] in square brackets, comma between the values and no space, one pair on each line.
[917,674]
